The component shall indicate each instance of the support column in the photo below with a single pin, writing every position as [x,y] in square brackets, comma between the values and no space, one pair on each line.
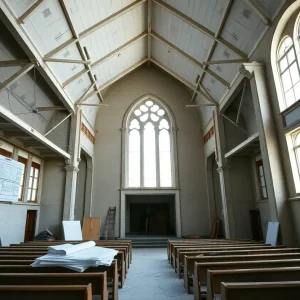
[270,151]
[225,181]
[72,167]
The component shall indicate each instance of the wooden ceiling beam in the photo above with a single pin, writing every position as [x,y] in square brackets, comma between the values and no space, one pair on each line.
[84,96]
[259,11]
[105,58]
[26,14]
[201,28]
[222,62]
[68,61]
[185,82]
[119,76]
[16,76]
[149,31]
[95,27]
[213,47]
[191,59]
[14,63]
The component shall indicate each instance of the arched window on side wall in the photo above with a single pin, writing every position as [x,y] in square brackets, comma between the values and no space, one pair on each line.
[288,71]
[149,146]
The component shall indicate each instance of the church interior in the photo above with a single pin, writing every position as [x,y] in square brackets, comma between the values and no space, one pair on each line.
[174,124]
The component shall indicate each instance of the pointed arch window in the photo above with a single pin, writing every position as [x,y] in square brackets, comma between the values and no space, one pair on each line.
[288,71]
[149,147]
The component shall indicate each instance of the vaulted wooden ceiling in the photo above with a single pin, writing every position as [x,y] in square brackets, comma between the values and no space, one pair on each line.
[87,45]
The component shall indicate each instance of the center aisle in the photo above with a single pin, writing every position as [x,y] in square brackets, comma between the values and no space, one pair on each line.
[151,277]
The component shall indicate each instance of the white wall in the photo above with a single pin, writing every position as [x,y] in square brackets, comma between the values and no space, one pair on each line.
[107,164]
[13,221]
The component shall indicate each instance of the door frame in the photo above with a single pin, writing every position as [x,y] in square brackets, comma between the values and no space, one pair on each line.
[128,192]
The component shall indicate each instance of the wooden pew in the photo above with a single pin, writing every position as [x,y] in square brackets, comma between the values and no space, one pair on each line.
[261,291]
[102,243]
[207,242]
[32,256]
[225,246]
[97,280]
[200,270]
[216,277]
[189,261]
[21,292]
[45,247]
[215,248]
[182,252]
[111,273]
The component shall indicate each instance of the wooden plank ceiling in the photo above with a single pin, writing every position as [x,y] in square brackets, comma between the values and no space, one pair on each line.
[90,44]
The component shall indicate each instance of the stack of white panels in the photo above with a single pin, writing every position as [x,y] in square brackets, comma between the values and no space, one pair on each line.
[76,257]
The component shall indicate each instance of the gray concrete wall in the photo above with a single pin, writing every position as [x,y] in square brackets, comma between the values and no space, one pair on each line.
[107,164]
[13,221]
[52,197]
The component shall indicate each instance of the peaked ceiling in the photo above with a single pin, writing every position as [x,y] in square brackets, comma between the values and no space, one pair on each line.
[90,44]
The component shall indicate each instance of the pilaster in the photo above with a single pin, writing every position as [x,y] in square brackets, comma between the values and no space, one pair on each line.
[72,167]
[270,151]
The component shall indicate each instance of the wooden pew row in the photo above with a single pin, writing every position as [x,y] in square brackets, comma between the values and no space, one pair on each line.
[200,270]
[207,241]
[111,273]
[33,256]
[97,280]
[174,247]
[223,247]
[216,277]
[98,242]
[125,247]
[43,250]
[13,292]
[189,262]
[261,291]
[184,252]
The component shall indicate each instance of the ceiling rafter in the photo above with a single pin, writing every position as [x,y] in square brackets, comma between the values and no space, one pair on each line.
[26,14]
[84,54]
[226,61]
[119,76]
[69,61]
[185,82]
[259,11]
[16,76]
[84,96]
[106,57]
[201,28]
[213,47]
[14,63]
[149,30]
[93,28]
[191,59]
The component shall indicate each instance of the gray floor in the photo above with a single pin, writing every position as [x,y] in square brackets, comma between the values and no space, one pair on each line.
[152,277]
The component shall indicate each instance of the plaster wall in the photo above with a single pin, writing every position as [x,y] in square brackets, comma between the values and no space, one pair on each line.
[13,221]
[52,197]
[107,160]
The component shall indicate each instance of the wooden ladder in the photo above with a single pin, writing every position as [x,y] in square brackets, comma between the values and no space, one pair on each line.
[109,232]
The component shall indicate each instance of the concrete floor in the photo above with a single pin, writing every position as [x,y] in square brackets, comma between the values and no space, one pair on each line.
[151,277]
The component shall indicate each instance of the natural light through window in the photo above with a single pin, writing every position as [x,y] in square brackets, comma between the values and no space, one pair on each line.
[149,147]
[289,71]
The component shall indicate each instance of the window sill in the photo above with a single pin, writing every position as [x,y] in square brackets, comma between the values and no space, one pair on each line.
[297,198]
[20,203]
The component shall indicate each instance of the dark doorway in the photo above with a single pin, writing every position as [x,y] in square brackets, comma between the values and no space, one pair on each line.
[30,225]
[151,215]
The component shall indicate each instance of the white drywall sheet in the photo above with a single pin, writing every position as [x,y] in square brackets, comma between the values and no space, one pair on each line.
[272,233]
[72,230]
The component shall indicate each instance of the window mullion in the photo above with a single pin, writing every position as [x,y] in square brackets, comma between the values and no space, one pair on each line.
[142,156]
[157,157]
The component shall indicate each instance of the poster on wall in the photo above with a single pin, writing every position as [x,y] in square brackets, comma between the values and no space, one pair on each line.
[10,179]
